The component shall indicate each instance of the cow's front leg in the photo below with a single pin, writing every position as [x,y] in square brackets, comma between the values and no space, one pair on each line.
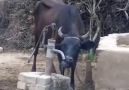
[62,69]
[72,77]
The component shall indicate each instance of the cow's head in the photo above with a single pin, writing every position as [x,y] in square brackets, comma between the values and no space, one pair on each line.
[71,46]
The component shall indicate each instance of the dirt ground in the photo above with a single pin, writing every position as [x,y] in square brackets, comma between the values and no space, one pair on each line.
[12,63]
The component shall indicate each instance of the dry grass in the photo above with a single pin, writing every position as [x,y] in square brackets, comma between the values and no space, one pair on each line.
[16,22]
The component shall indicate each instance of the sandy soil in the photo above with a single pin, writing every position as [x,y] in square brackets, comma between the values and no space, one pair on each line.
[11,64]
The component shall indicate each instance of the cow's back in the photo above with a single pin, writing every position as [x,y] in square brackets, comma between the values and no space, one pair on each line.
[61,14]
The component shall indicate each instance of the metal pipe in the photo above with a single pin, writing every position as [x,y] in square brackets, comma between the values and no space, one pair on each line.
[50,68]
[44,34]
[51,25]
[59,52]
[49,57]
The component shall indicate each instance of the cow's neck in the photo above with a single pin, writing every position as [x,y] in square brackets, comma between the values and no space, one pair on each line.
[58,1]
[73,33]
[74,30]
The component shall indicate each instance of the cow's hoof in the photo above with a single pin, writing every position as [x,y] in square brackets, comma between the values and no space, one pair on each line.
[73,87]
[33,70]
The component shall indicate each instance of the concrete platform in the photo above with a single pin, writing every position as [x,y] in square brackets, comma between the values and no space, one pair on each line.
[112,68]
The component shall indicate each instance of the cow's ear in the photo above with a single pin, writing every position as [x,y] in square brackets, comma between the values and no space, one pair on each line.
[58,46]
[87,45]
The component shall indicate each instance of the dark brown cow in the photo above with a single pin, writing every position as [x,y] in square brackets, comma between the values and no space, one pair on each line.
[69,40]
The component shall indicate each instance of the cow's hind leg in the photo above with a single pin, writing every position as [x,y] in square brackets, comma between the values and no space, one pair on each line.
[35,54]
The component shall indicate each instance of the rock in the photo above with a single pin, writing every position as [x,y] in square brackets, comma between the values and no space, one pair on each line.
[1,49]
[22,85]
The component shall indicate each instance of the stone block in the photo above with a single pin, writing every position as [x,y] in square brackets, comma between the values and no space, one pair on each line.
[21,85]
[60,82]
[44,80]
[29,77]
[31,86]
[38,81]
[41,87]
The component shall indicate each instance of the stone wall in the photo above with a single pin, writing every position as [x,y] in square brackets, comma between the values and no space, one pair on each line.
[112,68]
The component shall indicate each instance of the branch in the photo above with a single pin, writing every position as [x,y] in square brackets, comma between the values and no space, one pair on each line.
[83,2]
[98,3]
[97,31]
[94,3]
[88,5]
[126,14]
[96,34]
[88,10]
[125,10]
[126,7]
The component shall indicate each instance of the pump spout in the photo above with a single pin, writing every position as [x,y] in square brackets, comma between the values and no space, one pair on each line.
[59,52]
